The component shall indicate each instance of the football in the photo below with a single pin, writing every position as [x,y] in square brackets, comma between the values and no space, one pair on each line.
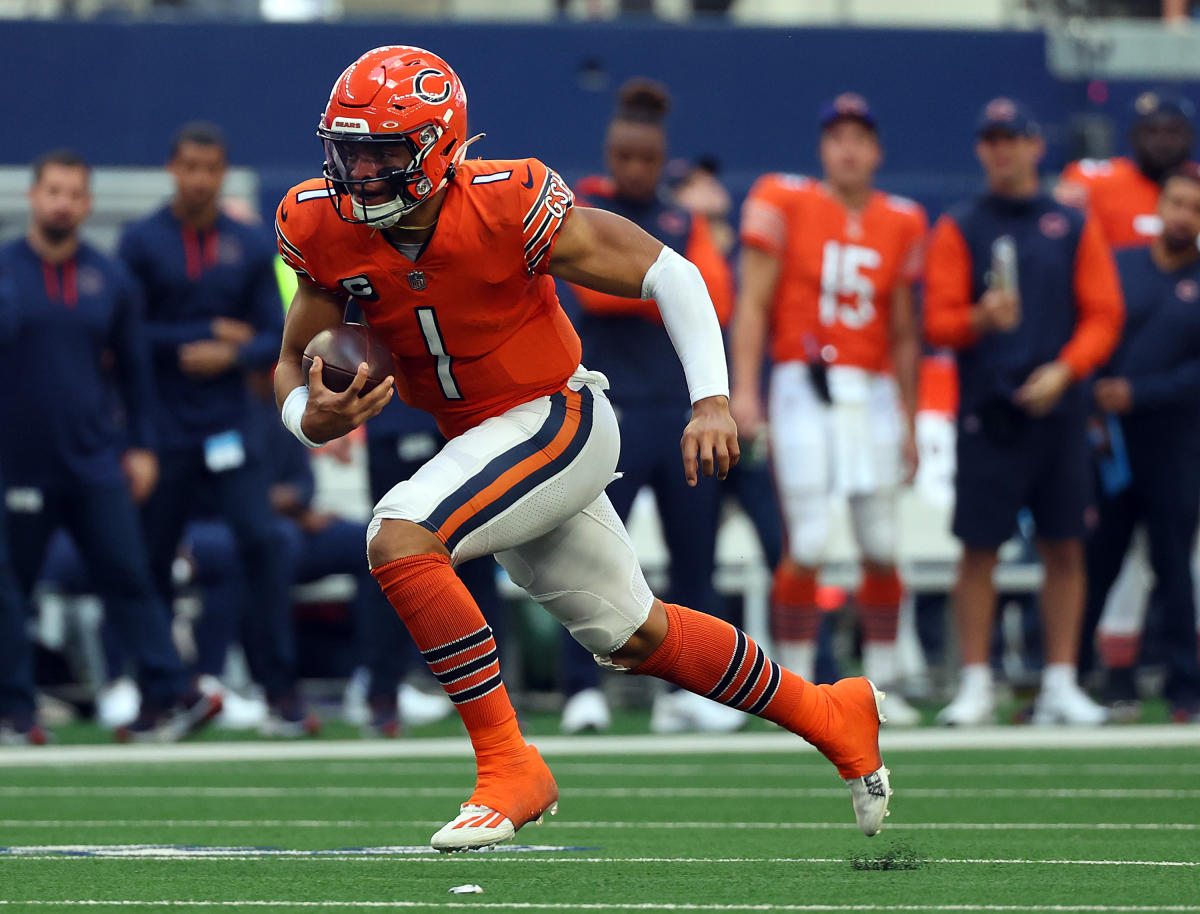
[342,349]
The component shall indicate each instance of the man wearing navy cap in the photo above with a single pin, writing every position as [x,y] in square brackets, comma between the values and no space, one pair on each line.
[1122,193]
[1024,289]
[828,269]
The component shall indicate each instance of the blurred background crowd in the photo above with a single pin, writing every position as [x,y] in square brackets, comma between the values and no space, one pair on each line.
[1036,402]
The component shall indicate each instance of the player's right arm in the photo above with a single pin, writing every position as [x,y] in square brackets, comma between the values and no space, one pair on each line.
[763,235]
[314,413]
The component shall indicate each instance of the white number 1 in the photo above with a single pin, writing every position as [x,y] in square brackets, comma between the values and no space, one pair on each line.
[427,318]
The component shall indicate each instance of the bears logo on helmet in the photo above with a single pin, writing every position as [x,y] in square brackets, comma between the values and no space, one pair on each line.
[394,128]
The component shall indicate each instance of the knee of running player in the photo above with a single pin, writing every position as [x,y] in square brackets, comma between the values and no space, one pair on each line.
[642,643]
[391,538]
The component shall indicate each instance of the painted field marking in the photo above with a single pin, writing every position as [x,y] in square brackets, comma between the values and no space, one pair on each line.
[685,826]
[706,793]
[608,906]
[625,745]
[424,854]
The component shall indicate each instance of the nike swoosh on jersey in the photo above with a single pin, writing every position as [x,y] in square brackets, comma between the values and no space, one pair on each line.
[528,182]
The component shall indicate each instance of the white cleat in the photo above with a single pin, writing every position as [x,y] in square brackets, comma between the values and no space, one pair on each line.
[1067,705]
[117,703]
[585,710]
[477,827]
[681,711]
[418,708]
[973,706]
[870,796]
[871,793]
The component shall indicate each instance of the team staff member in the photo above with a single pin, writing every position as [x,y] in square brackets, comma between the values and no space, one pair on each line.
[18,721]
[213,314]
[828,269]
[76,353]
[1121,194]
[452,262]
[625,338]
[1152,387]
[1021,439]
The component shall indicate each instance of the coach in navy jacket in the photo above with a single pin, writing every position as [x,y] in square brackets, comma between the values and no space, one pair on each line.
[213,313]
[79,437]
[1152,387]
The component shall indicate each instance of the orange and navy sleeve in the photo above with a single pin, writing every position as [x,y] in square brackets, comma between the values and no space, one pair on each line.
[948,287]
[294,223]
[545,201]
[764,215]
[714,268]
[1099,304]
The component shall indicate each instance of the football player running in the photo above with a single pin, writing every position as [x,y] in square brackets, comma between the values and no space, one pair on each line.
[451,261]
[828,269]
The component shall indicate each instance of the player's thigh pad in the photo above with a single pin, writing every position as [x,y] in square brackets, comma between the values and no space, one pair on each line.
[800,438]
[513,477]
[875,518]
[586,574]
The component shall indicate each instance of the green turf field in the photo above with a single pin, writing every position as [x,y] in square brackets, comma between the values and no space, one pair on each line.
[644,825]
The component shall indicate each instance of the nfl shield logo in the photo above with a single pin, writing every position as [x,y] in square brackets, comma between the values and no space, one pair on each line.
[416,280]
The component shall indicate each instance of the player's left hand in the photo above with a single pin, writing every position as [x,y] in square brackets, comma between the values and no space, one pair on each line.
[710,441]
[205,358]
[141,470]
[1114,395]
[1044,388]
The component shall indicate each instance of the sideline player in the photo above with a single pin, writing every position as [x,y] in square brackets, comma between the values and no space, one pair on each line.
[449,260]
[827,270]
[1122,193]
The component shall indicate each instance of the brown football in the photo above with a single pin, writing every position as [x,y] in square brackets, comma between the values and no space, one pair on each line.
[342,349]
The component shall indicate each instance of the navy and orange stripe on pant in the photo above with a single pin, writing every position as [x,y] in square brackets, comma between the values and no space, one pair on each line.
[518,471]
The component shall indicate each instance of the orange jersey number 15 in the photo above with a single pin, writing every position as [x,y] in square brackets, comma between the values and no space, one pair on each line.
[842,278]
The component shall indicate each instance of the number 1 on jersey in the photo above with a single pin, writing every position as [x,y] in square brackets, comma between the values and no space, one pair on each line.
[427,318]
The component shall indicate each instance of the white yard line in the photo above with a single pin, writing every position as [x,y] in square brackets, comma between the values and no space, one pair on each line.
[629,745]
[391,792]
[527,854]
[603,906]
[560,823]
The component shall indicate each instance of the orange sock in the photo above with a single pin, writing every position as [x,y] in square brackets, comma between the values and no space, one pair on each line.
[712,658]
[879,599]
[457,643]
[794,612]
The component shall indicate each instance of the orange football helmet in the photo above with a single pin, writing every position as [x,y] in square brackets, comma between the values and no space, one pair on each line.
[396,115]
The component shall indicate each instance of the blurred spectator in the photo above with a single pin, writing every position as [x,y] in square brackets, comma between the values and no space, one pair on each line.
[1121,194]
[625,338]
[18,721]
[827,274]
[213,313]
[1149,396]
[77,359]
[1025,290]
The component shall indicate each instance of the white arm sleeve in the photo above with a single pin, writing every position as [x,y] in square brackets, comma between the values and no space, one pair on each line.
[293,412]
[691,322]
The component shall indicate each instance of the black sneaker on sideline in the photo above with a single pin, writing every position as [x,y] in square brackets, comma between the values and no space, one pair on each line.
[156,724]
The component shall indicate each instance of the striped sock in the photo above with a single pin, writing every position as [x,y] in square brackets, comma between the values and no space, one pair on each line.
[795,616]
[712,658]
[879,599]
[457,643]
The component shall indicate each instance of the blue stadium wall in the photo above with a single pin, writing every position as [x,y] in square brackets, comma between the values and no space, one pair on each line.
[747,96]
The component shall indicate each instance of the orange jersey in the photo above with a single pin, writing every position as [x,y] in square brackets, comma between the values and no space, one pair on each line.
[474,322]
[839,269]
[1123,201]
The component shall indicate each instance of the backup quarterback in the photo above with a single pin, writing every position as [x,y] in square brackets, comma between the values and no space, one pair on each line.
[451,262]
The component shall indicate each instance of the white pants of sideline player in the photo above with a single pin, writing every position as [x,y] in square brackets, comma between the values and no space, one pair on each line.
[560,538]
[850,448]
